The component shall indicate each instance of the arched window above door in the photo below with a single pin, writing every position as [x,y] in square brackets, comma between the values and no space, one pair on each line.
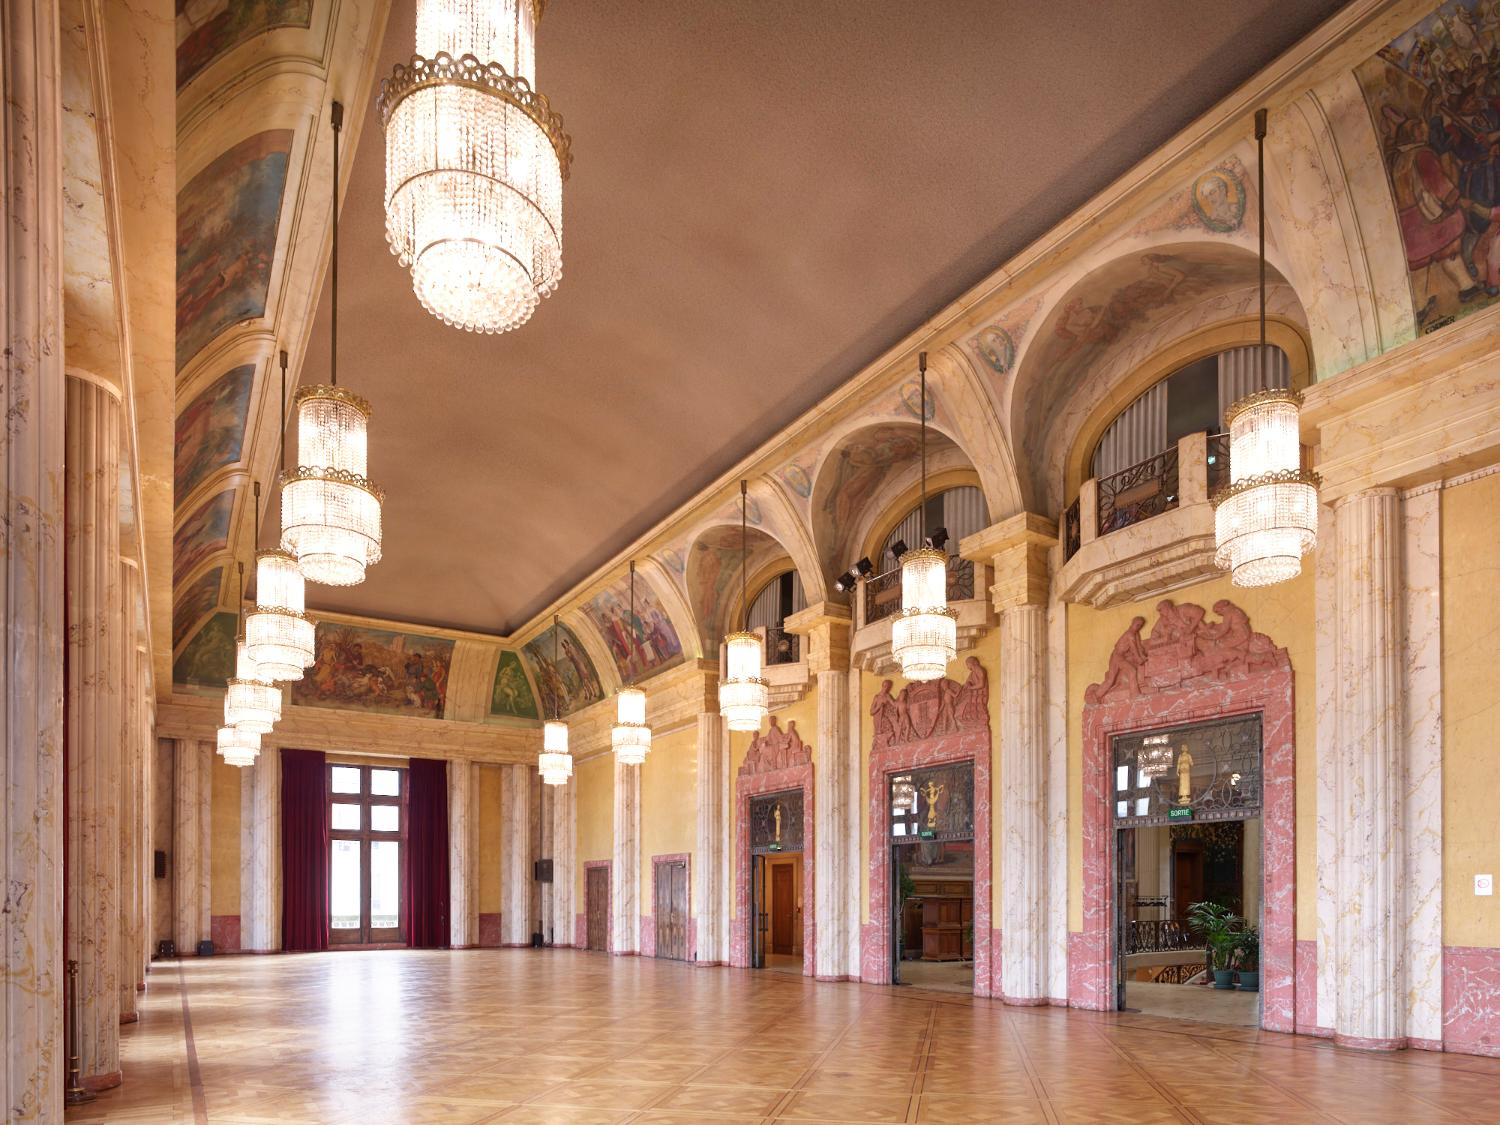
[960,511]
[777,600]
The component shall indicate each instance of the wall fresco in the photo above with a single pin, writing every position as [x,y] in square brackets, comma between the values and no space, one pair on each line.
[511,694]
[569,684]
[207,29]
[194,602]
[203,534]
[208,660]
[641,645]
[211,429]
[390,673]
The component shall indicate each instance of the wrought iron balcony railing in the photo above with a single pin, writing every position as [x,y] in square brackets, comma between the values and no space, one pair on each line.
[883,592]
[1218,462]
[1164,935]
[1145,489]
[1072,531]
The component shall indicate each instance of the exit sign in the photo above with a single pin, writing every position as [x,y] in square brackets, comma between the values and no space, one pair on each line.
[1180,812]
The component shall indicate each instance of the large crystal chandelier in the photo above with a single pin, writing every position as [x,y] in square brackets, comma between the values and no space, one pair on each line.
[744,696]
[252,703]
[330,510]
[238,747]
[278,632]
[924,638]
[554,763]
[630,736]
[475,161]
[1266,518]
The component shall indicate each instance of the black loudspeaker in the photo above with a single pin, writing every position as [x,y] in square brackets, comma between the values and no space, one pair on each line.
[161,863]
[205,948]
[542,871]
[166,949]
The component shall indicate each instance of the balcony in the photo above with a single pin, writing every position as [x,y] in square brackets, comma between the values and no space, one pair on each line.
[883,592]
[877,601]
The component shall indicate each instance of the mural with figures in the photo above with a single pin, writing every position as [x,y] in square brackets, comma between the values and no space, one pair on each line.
[359,669]
[511,695]
[568,684]
[639,645]
[226,238]
[1434,96]
[211,429]
[207,662]
[207,29]
[194,602]
[202,534]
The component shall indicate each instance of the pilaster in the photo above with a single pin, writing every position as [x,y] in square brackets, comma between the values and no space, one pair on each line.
[463,851]
[564,861]
[710,868]
[515,855]
[260,852]
[625,867]
[192,796]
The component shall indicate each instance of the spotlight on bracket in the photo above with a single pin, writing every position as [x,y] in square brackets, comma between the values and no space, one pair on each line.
[865,567]
[938,539]
[846,581]
[898,548]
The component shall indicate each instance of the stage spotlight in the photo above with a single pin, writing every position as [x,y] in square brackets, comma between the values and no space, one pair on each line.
[898,548]
[864,567]
[938,539]
[845,582]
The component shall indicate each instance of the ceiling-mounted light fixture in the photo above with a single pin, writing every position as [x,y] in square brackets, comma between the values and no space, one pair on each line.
[630,736]
[475,161]
[330,509]
[1266,518]
[924,638]
[238,747]
[744,697]
[252,702]
[554,763]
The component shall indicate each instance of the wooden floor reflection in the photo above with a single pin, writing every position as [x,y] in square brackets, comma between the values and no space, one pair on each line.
[560,1036]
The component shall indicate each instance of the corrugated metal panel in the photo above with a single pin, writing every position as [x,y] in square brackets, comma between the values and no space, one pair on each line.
[1241,373]
[964,512]
[1138,433]
[765,610]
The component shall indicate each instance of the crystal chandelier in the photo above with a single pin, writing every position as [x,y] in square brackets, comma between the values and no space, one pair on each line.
[554,763]
[630,736]
[744,696]
[475,161]
[252,702]
[924,637]
[330,510]
[238,747]
[1266,518]
[278,631]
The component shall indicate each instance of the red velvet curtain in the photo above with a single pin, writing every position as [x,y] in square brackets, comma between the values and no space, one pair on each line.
[427,854]
[304,850]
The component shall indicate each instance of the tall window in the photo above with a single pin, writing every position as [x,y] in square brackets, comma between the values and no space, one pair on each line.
[367,830]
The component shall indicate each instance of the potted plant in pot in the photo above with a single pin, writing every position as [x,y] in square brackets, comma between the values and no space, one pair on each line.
[1220,928]
[1247,958]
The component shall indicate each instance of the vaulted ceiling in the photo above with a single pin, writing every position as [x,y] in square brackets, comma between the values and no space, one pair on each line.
[766,195]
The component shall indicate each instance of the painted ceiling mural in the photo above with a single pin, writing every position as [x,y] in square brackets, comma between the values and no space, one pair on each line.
[226,238]
[207,662]
[511,694]
[207,29]
[639,646]
[1434,95]
[194,602]
[203,534]
[390,673]
[211,429]
[570,683]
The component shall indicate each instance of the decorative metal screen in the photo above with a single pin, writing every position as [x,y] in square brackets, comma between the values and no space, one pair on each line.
[776,822]
[935,803]
[1210,771]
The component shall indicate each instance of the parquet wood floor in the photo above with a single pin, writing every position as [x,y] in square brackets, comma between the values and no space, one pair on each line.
[559,1036]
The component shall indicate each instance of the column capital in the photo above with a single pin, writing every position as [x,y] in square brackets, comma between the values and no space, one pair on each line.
[826,627]
[1016,549]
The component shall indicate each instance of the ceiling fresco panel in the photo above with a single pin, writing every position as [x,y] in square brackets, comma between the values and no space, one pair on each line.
[378,670]
[207,29]
[569,684]
[202,534]
[211,429]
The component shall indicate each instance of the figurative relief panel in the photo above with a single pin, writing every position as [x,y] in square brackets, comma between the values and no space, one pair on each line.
[511,695]
[375,670]
[776,749]
[226,238]
[570,683]
[208,660]
[639,645]
[932,709]
[194,602]
[204,533]
[207,29]
[211,429]
[1434,96]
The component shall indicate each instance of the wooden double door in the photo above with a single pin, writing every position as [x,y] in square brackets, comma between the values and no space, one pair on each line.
[670,909]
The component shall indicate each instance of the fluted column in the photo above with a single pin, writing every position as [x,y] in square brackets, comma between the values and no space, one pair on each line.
[31,564]
[260,852]
[515,855]
[564,861]
[95,678]
[546,845]
[191,825]
[463,853]
[710,869]
[1368,770]
[625,868]
[129,805]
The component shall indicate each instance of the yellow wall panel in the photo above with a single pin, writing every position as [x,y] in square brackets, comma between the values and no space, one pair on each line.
[487,779]
[669,803]
[595,779]
[224,859]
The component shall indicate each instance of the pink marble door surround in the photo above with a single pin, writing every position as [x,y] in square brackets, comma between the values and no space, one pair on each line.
[581,919]
[1189,669]
[648,921]
[929,724]
[777,761]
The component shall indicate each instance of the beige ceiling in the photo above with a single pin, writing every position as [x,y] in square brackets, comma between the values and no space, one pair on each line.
[766,194]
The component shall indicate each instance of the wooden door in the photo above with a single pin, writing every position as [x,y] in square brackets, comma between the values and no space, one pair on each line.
[1187,877]
[783,908]
[596,907]
[671,910]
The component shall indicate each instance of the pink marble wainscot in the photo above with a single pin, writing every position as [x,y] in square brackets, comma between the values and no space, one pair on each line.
[776,762]
[648,935]
[489,931]
[1471,1000]
[224,931]
[928,724]
[580,931]
[1307,990]
[648,921]
[1190,670]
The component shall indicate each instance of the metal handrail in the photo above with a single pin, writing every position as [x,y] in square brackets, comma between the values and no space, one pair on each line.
[883,591]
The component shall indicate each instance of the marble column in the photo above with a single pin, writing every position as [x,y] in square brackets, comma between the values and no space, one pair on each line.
[710,869]
[1368,770]
[191,824]
[32,396]
[534,853]
[463,854]
[95,674]
[1017,550]
[564,861]
[129,804]
[1057,796]
[260,852]
[625,866]
[515,855]
[546,845]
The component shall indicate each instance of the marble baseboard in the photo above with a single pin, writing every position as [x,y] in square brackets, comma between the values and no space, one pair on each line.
[1471,1000]
[489,931]
[648,935]
[224,931]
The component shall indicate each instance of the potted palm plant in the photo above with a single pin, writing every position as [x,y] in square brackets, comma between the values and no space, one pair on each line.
[1247,958]
[1220,928]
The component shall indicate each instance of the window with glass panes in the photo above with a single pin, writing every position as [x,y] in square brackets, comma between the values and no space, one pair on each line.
[367,831]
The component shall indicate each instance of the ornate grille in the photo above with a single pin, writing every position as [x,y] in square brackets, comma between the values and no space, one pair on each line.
[1146,489]
[1206,772]
[782,647]
[1072,531]
[883,592]
[776,822]
[935,803]
[1218,462]
[1163,935]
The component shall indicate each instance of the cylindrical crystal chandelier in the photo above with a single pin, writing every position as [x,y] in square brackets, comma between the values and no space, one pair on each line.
[475,161]
[630,736]
[744,696]
[330,509]
[278,632]
[252,703]
[1266,519]
[554,763]
[238,747]
[924,637]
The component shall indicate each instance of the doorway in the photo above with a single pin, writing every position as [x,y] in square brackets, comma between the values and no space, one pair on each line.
[1187,839]
[366,875]
[777,891]
[932,876]
[670,909]
[596,908]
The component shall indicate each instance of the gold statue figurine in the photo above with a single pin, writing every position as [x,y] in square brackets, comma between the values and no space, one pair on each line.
[932,792]
[776,819]
[1184,776]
